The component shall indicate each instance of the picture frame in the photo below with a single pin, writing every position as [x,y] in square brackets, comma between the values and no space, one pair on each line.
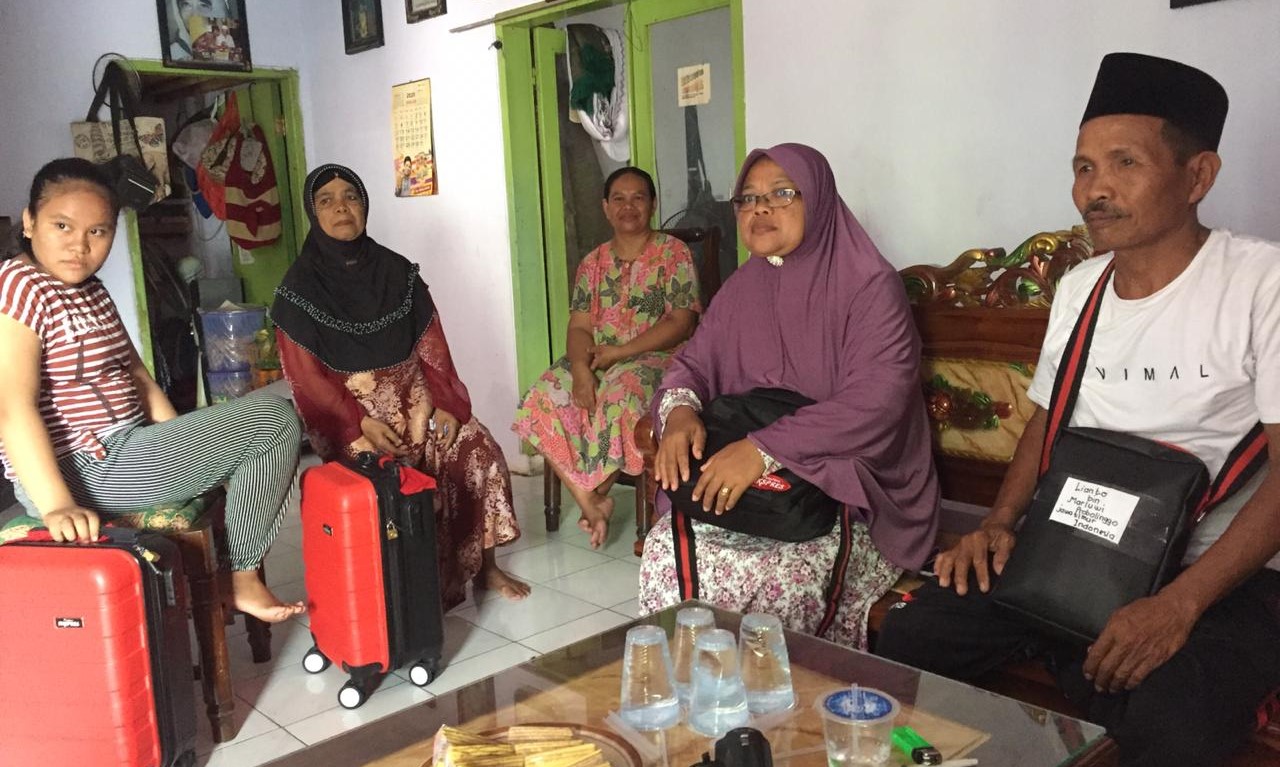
[362,25]
[1186,3]
[418,10]
[204,34]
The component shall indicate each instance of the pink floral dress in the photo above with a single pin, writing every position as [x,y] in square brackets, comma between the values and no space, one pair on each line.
[624,299]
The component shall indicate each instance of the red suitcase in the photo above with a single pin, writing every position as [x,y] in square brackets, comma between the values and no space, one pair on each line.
[373,583]
[95,656]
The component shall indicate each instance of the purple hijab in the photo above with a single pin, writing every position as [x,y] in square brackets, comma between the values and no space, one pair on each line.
[833,324]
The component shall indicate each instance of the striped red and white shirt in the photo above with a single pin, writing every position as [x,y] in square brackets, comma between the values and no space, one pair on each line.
[86,392]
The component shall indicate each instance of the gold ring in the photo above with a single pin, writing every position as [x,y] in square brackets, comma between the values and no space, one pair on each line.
[724,491]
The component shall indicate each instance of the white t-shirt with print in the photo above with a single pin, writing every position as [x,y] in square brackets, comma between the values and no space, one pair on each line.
[1196,364]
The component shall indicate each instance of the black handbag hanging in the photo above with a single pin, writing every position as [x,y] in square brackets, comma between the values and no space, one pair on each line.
[134,185]
[1112,512]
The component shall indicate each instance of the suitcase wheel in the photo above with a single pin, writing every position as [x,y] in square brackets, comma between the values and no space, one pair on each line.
[314,662]
[423,674]
[352,695]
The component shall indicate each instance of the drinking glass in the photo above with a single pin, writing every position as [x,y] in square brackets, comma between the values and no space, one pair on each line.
[858,725]
[691,622]
[648,689]
[719,701]
[766,668]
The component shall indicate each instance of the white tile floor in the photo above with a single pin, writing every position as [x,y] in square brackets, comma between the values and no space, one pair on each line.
[577,592]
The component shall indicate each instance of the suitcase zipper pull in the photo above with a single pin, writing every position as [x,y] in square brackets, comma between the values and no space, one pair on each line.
[148,556]
[392,531]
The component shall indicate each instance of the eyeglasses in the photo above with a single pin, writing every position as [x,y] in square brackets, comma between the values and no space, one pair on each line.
[778,198]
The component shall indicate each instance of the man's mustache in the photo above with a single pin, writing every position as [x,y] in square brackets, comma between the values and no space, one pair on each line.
[1104,207]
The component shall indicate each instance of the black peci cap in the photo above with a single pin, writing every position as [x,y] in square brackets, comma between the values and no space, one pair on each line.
[1134,83]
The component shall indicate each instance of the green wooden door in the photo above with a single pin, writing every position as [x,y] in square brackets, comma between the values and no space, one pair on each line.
[548,45]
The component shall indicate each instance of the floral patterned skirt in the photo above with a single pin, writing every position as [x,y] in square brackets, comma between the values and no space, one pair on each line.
[746,573]
[589,446]
[474,505]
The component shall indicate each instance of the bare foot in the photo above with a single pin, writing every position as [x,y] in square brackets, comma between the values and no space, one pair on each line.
[495,578]
[595,518]
[252,596]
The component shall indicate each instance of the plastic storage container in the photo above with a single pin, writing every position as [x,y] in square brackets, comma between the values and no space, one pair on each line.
[229,385]
[229,337]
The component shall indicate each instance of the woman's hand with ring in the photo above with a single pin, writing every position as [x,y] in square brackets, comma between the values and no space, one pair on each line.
[446,427]
[727,475]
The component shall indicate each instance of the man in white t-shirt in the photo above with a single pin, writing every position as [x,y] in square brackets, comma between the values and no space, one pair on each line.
[1186,351]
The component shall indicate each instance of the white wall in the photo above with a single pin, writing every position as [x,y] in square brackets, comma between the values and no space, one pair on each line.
[47,51]
[952,125]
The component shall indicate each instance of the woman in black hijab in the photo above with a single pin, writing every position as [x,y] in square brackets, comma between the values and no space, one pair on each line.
[364,352]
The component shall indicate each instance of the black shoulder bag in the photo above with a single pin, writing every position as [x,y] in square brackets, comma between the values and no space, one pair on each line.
[1112,512]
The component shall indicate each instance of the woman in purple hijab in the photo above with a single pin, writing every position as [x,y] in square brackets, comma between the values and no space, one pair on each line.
[816,310]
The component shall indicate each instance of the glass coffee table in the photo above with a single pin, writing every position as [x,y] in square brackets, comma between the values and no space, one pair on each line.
[579,685]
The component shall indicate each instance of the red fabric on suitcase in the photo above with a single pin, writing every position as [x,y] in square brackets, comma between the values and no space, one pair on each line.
[73,640]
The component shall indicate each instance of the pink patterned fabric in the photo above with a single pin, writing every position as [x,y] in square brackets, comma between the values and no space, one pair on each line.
[745,573]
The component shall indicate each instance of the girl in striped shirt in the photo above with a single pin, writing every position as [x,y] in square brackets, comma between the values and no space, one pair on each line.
[86,432]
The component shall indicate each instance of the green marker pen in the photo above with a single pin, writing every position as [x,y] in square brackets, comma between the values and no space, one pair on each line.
[915,747]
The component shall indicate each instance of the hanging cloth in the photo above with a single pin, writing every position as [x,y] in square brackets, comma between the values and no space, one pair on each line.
[252,199]
[601,105]
[217,157]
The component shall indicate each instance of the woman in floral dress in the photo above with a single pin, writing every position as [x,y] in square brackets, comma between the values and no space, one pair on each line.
[365,354]
[634,301]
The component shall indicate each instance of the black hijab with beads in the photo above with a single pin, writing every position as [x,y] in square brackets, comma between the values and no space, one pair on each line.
[354,304]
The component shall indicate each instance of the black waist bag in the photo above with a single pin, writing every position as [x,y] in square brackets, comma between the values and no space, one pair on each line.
[1108,525]
[781,506]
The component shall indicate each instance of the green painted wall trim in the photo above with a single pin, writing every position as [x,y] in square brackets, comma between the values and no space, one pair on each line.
[520,154]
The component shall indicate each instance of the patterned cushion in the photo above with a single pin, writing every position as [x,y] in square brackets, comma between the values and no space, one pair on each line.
[168,517]
[17,528]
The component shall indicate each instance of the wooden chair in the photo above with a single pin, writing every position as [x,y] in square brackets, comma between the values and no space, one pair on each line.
[706,256]
[198,529]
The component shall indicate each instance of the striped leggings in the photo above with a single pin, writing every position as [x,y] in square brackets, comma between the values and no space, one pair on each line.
[250,443]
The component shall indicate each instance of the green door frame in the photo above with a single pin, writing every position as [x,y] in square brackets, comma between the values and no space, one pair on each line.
[293,177]
[547,44]
[517,73]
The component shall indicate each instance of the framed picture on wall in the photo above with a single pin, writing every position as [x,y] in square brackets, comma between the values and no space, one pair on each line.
[417,10]
[361,25]
[207,34]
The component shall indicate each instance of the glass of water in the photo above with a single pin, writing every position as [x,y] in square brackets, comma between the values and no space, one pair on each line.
[857,723]
[718,702]
[766,668]
[691,622]
[648,688]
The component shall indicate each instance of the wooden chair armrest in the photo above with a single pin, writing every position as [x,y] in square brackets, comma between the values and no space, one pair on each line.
[644,440]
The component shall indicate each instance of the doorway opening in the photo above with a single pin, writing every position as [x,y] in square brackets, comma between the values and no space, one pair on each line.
[183,258]
[556,165]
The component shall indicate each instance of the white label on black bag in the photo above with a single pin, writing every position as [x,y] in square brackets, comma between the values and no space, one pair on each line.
[1096,509]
